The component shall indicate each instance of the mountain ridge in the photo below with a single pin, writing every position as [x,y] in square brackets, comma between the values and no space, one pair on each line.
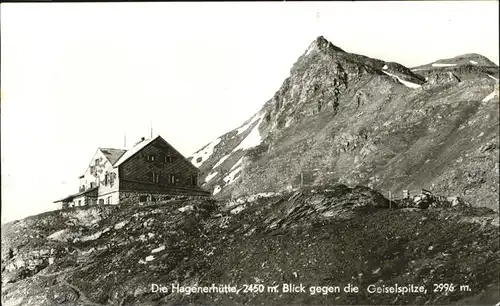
[327,84]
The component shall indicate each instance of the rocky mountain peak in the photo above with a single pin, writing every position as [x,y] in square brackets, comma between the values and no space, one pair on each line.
[347,118]
[322,44]
[319,50]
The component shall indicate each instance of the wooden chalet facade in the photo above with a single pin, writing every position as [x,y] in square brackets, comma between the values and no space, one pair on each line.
[150,171]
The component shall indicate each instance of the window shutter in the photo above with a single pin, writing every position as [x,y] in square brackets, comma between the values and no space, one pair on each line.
[167,158]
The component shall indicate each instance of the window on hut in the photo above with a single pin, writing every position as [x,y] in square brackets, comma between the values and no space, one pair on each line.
[156,177]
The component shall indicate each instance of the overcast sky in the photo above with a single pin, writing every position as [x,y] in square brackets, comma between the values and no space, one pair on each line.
[79,76]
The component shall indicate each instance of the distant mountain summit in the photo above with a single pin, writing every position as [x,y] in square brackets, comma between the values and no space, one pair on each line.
[464,59]
[346,118]
[459,68]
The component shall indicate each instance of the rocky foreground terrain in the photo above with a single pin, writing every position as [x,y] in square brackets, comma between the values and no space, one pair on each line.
[346,118]
[300,197]
[328,236]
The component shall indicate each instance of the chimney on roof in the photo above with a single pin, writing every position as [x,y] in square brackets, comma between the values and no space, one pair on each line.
[142,139]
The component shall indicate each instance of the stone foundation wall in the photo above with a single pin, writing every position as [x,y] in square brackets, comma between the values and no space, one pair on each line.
[137,197]
[153,188]
[113,198]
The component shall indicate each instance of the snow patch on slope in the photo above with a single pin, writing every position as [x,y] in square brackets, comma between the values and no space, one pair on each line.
[246,126]
[158,249]
[186,208]
[406,83]
[253,139]
[221,161]
[231,177]
[492,77]
[490,96]
[443,65]
[217,189]
[237,164]
[210,176]
[204,153]
[385,67]
[473,62]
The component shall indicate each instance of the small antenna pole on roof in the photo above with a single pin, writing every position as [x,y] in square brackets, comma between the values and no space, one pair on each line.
[151,125]
[125,140]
